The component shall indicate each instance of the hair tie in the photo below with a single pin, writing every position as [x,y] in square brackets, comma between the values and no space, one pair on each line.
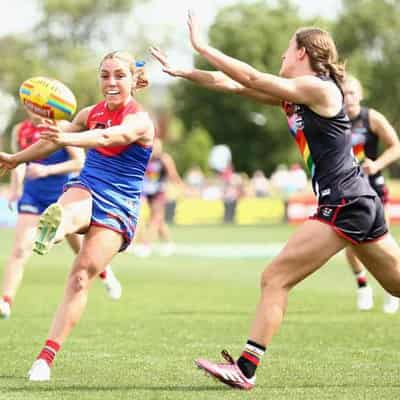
[139,64]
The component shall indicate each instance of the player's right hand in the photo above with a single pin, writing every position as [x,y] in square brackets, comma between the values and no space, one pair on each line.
[7,162]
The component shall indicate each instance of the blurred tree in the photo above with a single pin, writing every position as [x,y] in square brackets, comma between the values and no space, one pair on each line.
[193,150]
[257,33]
[367,34]
[66,44]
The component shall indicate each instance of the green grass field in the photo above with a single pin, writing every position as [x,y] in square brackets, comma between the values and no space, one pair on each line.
[176,309]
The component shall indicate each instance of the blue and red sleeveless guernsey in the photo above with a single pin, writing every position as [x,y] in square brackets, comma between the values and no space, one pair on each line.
[114,174]
[39,193]
[326,147]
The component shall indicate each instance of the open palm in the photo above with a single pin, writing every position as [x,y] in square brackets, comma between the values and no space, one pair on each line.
[194,32]
[162,58]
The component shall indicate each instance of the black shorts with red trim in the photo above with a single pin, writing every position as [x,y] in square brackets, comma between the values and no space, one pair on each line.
[359,220]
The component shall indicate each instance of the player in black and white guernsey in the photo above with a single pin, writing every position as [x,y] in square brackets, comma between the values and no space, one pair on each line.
[369,128]
[349,213]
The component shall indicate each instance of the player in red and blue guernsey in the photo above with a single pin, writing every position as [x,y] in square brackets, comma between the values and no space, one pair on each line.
[35,186]
[349,210]
[103,201]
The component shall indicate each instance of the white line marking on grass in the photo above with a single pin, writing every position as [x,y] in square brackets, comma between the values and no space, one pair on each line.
[216,250]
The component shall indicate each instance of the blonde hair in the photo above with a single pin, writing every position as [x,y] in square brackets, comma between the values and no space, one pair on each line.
[322,52]
[136,68]
[352,80]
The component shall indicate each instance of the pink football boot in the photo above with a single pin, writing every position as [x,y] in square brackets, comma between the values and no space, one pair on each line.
[228,373]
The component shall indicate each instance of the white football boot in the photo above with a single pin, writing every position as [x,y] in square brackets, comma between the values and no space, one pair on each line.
[390,304]
[112,285]
[365,299]
[5,309]
[40,371]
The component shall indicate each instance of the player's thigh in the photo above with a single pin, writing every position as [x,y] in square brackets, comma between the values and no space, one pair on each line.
[313,244]
[382,259]
[99,246]
[76,196]
[77,203]
[75,241]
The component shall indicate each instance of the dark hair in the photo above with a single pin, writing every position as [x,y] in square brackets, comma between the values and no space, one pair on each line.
[322,52]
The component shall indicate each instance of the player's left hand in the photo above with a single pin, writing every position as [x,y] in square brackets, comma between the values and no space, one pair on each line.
[162,58]
[370,167]
[194,32]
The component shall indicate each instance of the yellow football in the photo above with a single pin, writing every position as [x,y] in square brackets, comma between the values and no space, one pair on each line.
[47,98]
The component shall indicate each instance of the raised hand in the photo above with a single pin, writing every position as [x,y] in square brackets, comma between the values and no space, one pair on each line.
[162,58]
[194,32]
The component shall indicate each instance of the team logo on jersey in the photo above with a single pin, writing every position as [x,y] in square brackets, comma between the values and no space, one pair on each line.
[326,211]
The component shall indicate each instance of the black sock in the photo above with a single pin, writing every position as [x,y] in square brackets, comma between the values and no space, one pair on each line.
[250,358]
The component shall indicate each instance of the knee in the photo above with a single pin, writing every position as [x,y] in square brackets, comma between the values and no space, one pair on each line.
[82,276]
[273,280]
[20,253]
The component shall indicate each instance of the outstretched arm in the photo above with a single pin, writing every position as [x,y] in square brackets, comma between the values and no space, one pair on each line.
[215,80]
[43,148]
[38,150]
[135,128]
[302,90]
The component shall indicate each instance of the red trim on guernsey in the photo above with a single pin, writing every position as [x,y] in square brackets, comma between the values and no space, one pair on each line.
[118,218]
[100,225]
[251,358]
[338,210]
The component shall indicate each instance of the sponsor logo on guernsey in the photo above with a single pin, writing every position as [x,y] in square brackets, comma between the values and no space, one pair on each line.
[98,114]
[326,192]
[131,203]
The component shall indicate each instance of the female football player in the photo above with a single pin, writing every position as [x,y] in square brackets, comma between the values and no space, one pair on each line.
[160,170]
[349,211]
[35,186]
[103,201]
[369,127]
